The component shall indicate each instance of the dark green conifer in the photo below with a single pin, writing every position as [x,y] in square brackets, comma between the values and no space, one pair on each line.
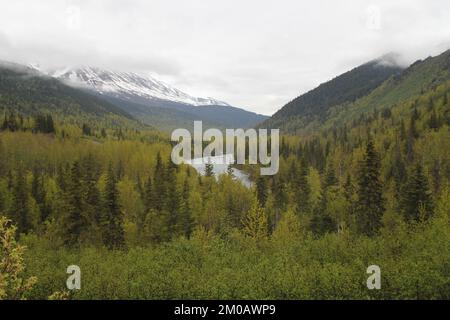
[112,220]
[417,201]
[370,206]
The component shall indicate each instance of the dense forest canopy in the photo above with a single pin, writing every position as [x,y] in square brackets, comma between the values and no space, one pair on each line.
[363,188]
[375,85]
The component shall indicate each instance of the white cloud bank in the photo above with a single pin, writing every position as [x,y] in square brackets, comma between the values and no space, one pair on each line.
[257,54]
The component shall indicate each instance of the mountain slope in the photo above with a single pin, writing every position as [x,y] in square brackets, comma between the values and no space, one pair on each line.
[127,85]
[421,76]
[159,115]
[315,104]
[155,102]
[28,92]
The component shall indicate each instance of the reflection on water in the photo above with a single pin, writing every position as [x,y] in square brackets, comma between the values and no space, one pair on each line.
[220,165]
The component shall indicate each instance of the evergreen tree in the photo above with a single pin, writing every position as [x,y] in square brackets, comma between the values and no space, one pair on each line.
[402,130]
[186,220]
[417,201]
[279,193]
[398,169]
[112,224]
[44,124]
[330,177]
[10,179]
[433,123]
[370,206]
[173,200]
[120,170]
[412,125]
[38,193]
[261,190]
[62,176]
[50,125]
[322,222]
[436,176]
[148,195]
[10,123]
[233,211]
[86,130]
[90,192]
[156,224]
[349,188]
[209,169]
[349,195]
[302,188]
[160,194]
[75,222]
[39,123]
[139,186]
[19,210]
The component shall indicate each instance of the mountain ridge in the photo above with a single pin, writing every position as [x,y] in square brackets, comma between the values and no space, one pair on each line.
[120,83]
[345,87]
[373,84]
[25,91]
[152,101]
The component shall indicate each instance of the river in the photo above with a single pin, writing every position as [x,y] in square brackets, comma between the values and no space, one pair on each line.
[220,165]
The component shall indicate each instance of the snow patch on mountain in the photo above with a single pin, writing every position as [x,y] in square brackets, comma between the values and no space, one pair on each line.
[125,85]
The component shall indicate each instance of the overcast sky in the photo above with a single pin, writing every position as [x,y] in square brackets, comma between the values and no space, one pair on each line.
[256,54]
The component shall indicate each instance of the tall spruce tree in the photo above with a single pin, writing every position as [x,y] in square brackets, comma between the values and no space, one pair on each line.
[90,192]
[50,125]
[75,222]
[148,194]
[330,177]
[302,188]
[112,224]
[19,211]
[160,194]
[186,221]
[173,200]
[38,193]
[370,206]
[321,221]
[261,190]
[417,200]
[349,188]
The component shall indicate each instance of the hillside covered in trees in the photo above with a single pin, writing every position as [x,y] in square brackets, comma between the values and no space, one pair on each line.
[25,92]
[368,186]
[377,84]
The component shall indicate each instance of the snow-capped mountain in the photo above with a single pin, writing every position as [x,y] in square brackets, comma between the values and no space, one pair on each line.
[152,101]
[125,85]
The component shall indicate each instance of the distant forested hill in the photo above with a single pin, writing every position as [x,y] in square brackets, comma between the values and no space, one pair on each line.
[25,92]
[365,88]
[344,88]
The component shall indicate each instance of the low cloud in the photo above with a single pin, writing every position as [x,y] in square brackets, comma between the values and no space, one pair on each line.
[257,54]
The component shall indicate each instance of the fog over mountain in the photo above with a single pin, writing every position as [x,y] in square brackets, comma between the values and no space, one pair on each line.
[252,54]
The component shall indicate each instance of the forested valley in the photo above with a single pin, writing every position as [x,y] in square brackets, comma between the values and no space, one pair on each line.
[373,190]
